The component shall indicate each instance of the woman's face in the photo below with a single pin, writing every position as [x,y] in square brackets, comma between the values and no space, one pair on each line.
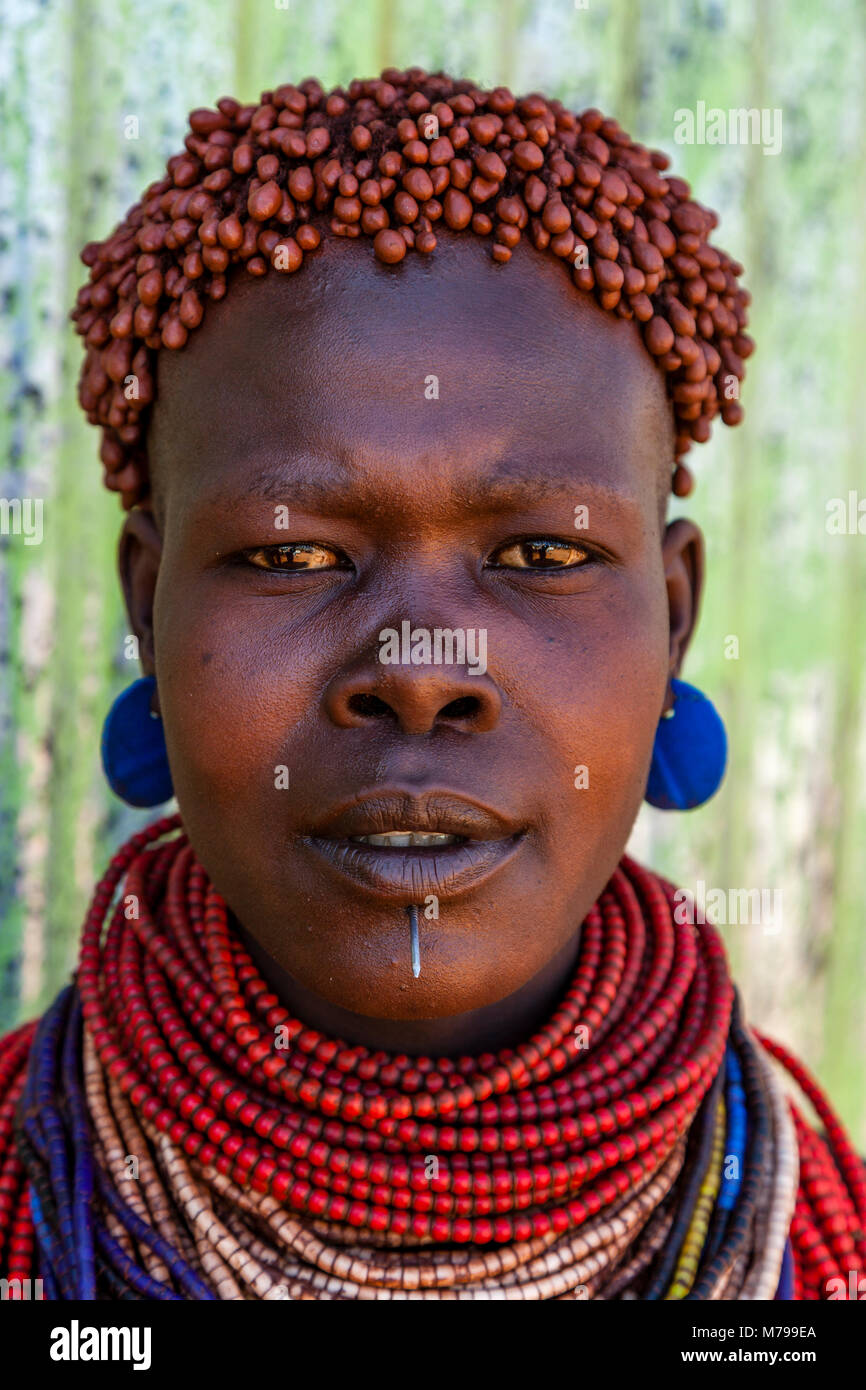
[450,444]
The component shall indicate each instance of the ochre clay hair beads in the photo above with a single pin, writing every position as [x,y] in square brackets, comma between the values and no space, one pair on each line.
[388,159]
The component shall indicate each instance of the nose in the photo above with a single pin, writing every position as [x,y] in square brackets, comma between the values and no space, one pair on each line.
[416,699]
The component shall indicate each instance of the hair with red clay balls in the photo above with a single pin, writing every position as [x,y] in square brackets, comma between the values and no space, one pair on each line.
[387,159]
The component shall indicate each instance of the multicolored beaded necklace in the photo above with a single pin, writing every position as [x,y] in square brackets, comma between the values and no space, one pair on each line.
[169,1131]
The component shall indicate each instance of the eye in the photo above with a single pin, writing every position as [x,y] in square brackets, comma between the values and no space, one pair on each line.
[540,553]
[306,555]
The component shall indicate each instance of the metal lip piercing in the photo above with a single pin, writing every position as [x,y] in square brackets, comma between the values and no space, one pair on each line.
[414,942]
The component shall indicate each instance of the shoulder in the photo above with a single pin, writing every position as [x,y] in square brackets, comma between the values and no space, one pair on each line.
[828,1230]
[14,1051]
[16,1234]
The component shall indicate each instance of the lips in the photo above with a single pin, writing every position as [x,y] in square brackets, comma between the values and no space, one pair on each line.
[400,846]
[440,812]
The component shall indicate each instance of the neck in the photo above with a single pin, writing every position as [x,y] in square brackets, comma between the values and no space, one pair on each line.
[488,1029]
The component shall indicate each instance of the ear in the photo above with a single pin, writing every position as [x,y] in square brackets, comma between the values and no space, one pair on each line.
[683,559]
[138,556]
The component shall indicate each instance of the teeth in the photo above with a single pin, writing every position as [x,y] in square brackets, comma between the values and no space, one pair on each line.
[402,839]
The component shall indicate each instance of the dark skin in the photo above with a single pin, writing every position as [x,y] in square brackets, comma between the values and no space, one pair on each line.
[308,391]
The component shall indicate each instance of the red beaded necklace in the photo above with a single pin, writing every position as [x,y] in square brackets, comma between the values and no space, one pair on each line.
[348,1140]
[277,1153]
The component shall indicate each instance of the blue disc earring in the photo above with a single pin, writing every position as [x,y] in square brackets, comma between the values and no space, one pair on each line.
[134,756]
[689,753]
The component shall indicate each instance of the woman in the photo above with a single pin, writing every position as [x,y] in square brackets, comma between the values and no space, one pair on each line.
[385,1012]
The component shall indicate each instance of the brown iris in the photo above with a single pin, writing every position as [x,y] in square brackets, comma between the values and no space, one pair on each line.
[540,554]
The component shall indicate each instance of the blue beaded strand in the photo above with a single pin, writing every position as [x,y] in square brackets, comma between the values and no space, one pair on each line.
[735,1140]
[736,1111]
[137,1279]
[56,1144]
[45,1245]
[737,1229]
[700,1150]
[43,1125]
[82,1197]
[45,1273]
[183,1273]
[785,1291]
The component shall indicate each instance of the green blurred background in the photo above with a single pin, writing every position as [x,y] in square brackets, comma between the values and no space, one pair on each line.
[791,814]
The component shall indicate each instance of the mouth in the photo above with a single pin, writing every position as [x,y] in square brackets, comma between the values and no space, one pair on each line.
[407,839]
[400,847]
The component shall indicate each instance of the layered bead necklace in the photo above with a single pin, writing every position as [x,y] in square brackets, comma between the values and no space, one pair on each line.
[170,1131]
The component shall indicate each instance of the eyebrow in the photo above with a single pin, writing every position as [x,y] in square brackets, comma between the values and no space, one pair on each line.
[336,493]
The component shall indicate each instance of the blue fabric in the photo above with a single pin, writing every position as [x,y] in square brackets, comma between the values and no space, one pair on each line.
[689,754]
[134,756]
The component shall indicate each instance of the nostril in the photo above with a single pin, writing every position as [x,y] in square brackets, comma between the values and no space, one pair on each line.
[368,705]
[466,707]
[416,703]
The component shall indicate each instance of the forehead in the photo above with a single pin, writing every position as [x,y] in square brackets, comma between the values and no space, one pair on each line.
[448,367]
